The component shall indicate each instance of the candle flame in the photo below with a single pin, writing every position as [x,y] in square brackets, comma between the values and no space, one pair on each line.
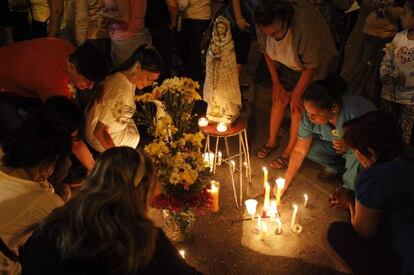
[182,253]
[264,169]
[280,182]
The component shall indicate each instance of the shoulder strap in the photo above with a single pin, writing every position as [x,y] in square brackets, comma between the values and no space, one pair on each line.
[8,252]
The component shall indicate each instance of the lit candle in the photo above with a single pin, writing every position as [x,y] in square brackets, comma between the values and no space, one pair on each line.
[214,191]
[279,226]
[259,223]
[295,212]
[266,197]
[336,134]
[219,157]
[221,127]
[232,166]
[272,209]
[209,160]
[251,206]
[306,200]
[280,183]
[245,168]
[182,253]
[265,176]
[203,122]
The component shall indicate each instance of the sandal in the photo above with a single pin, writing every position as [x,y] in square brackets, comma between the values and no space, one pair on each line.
[280,163]
[266,150]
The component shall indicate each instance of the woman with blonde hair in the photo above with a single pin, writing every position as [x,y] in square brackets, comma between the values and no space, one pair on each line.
[104,229]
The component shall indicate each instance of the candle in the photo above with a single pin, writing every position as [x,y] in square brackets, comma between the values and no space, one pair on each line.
[259,223]
[265,176]
[221,127]
[251,206]
[336,134]
[306,200]
[214,191]
[279,226]
[232,166]
[245,168]
[182,253]
[295,212]
[203,122]
[209,160]
[266,197]
[264,228]
[280,183]
[219,157]
[272,209]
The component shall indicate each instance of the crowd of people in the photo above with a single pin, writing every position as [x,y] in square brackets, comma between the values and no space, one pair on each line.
[69,72]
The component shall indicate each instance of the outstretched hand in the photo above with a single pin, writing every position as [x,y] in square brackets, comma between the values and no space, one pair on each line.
[341,198]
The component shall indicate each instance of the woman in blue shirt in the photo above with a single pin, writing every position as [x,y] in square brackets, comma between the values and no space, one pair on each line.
[326,109]
[383,207]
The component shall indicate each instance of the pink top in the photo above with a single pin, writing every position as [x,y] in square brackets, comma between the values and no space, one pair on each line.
[122,31]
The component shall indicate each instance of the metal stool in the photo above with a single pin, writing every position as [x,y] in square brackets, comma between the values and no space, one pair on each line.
[238,128]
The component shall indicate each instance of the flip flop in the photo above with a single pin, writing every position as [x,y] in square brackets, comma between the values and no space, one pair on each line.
[280,163]
[265,151]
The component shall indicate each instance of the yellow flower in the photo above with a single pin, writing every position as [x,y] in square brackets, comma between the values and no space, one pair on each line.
[156,150]
[174,178]
[189,177]
[144,97]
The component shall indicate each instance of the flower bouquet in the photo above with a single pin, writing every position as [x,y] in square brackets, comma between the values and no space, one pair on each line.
[176,152]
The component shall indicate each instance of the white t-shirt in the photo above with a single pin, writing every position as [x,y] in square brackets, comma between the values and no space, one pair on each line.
[115,109]
[282,51]
[196,9]
[399,61]
[22,203]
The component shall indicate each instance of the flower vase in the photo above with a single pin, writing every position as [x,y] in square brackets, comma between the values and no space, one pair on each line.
[177,226]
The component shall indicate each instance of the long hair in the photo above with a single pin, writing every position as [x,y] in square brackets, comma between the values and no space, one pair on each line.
[107,218]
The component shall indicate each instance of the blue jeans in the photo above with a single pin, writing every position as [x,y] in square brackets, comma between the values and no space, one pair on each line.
[322,152]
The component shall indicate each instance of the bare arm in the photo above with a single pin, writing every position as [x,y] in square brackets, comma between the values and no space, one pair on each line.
[56,14]
[240,21]
[272,70]
[122,12]
[81,21]
[304,81]
[364,220]
[102,135]
[82,153]
[173,11]
[299,153]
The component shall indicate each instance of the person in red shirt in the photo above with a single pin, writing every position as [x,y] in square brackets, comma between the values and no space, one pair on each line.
[45,67]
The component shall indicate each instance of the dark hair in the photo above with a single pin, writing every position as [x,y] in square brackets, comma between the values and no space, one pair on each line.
[376,131]
[107,217]
[269,11]
[90,62]
[37,143]
[325,93]
[147,56]
[63,113]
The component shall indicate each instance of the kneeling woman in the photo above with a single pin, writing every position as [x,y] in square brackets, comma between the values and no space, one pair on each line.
[104,229]
[109,120]
[384,207]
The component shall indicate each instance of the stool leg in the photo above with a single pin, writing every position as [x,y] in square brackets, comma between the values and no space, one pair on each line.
[230,169]
[216,154]
[246,144]
[241,149]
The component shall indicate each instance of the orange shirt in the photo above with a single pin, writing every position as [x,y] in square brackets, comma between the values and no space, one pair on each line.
[36,68]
